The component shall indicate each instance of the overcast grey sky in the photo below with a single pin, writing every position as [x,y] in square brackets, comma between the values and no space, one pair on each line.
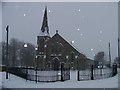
[91,25]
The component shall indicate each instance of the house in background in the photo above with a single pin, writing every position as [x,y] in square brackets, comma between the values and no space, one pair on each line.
[54,51]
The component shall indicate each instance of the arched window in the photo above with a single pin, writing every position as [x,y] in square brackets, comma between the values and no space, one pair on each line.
[55,63]
[72,56]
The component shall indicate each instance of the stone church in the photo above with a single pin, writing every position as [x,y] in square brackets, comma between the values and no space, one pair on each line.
[54,51]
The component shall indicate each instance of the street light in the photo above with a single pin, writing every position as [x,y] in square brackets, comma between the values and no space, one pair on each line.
[36,60]
[25,46]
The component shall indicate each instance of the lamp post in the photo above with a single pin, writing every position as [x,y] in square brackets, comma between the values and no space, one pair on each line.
[36,66]
[7,53]
[25,46]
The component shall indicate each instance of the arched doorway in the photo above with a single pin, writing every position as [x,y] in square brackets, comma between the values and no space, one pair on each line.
[55,63]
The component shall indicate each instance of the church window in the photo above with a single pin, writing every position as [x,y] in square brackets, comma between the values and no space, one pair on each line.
[72,56]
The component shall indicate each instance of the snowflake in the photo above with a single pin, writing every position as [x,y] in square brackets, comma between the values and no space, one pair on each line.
[72,42]
[91,49]
[24,14]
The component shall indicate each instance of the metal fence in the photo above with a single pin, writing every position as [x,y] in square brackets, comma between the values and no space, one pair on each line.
[37,75]
[96,73]
[43,76]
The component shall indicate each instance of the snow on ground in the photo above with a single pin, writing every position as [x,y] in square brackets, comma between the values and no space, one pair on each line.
[17,82]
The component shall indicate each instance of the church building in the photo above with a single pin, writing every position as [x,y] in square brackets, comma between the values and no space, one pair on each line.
[54,51]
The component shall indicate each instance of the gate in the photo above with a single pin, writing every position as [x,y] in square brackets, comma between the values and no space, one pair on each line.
[65,73]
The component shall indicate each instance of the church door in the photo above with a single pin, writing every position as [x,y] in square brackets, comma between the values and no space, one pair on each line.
[55,63]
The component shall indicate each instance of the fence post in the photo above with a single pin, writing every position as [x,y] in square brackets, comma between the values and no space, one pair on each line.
[114,70]
[78,76]
[92,73]
[36,74]
[62,72]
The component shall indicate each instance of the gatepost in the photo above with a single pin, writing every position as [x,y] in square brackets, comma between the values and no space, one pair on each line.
[92,73]
[62,66]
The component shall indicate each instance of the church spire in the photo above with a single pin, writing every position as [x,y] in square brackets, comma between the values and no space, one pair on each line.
[45,27]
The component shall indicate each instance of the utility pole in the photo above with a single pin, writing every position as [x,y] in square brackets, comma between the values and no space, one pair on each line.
[7,29]
[109,54]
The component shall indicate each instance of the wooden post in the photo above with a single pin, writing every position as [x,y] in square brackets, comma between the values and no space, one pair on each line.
[78,75]
[36,74]
[62,72]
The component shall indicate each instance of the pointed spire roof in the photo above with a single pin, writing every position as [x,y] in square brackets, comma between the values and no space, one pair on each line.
[45,22]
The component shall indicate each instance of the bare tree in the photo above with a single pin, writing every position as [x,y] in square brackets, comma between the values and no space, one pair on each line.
[13,51]
[99,59]
[3,53]
[18,55]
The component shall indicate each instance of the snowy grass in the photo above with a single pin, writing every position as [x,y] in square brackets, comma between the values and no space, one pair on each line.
[17,82]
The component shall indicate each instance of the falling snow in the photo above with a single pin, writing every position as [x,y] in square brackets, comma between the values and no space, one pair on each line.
[24,15]
[101,27]
[72,42]
[78,29]
[91,49]
[49,11]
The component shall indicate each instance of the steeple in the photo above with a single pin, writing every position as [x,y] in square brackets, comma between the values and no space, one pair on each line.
[45,27]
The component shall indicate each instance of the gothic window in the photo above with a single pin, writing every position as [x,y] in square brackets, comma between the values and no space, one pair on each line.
[72,56]
[41,45]
[56,63]
[56,48]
